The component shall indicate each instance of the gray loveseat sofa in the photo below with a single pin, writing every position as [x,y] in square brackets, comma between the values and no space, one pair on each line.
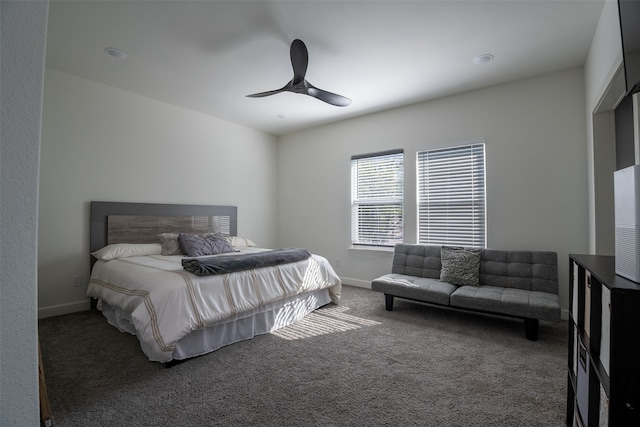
[520,284]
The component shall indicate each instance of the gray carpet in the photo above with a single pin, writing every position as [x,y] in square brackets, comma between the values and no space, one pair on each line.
[349,365]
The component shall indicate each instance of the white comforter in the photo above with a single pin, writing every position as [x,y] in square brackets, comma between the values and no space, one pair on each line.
[165,303]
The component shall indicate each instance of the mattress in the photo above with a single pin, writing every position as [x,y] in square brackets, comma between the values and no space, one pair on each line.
[154,298]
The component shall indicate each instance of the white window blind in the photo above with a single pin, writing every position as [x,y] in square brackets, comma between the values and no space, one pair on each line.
[451,196]
[377,198]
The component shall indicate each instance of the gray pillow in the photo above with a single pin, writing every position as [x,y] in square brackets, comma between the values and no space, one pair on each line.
[460,266]
[170,244]
[210,244]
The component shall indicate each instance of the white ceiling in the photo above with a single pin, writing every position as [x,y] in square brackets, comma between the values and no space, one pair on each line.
[207,55]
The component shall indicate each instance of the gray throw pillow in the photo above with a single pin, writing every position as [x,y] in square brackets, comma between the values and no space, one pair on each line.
[211,244]
[170,244]
[460,266]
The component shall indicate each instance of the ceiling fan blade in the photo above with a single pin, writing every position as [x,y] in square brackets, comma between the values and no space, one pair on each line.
[299,60]
[328,97]
[262,94]
[287,87]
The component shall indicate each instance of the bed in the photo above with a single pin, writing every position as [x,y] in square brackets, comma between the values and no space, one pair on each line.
[176,314]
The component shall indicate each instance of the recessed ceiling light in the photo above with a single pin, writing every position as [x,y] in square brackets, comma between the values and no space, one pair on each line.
[483,59]
[115,52]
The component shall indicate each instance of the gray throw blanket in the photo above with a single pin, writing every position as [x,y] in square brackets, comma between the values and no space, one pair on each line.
[230,263]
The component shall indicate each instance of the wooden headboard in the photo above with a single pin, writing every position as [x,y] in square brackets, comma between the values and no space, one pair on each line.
[142,222]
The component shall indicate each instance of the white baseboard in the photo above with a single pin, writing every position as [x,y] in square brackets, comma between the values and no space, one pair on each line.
[356,282]
[57,310]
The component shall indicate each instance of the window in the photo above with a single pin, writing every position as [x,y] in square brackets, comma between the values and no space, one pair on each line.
[451,196]
[377,197]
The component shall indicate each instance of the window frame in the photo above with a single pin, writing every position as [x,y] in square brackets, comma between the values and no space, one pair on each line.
[385,199]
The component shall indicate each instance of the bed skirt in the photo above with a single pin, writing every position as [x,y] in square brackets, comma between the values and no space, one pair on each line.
[242,327]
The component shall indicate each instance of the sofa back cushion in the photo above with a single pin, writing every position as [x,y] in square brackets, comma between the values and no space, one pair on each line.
[529,270]
[417,260]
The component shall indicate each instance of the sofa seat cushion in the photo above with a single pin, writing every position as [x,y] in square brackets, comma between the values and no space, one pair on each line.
[412,287]
[509,301]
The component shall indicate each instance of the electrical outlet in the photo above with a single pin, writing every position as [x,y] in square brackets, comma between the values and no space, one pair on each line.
[77,280]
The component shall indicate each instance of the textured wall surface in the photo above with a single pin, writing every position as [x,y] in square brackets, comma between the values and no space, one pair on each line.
[22,46]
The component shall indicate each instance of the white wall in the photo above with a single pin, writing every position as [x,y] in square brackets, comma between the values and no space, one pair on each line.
[605,54]
[536,157]
[604,87]
[22,46]
[101,143]
[531,194]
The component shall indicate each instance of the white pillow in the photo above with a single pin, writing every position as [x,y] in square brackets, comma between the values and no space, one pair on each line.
[243,242]
[124,250]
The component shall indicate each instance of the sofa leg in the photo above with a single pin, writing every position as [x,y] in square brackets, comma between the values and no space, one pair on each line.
[531,329]
[388,300]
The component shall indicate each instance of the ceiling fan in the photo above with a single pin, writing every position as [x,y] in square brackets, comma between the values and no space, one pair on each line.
[299,61]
